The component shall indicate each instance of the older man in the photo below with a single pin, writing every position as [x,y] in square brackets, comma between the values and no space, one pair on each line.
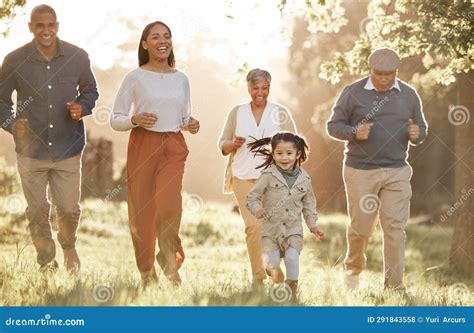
[378,117]
[55,89]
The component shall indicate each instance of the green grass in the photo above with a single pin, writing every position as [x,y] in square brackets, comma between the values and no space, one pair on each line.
[216,270]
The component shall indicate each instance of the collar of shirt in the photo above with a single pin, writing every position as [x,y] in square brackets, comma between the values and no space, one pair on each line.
[35,55]
[370,85]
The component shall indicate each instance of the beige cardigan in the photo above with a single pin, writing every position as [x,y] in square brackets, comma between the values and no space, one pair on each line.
[228,133]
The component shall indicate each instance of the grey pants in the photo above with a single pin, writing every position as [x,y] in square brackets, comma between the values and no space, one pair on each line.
[64,180]
[272,261]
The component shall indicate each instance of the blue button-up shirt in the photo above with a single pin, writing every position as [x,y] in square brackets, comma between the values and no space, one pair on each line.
[43,90]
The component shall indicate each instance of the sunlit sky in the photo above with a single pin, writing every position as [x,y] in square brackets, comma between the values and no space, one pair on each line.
[249,30]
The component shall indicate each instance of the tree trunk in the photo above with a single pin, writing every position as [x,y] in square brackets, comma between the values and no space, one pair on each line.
[462,212]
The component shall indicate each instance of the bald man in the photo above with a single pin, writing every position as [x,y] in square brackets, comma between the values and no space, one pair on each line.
[55,89]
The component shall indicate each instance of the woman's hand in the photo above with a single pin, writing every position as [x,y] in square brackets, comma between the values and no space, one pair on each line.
[232,145]
[238,142]
[193,125]
[145,119]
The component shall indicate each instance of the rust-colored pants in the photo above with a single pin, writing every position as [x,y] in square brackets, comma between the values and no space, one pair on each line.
[155,167]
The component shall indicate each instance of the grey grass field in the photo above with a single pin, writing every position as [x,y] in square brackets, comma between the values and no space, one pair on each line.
[216,269]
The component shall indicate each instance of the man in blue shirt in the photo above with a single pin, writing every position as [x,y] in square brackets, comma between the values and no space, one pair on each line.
[378,117]
[55,89]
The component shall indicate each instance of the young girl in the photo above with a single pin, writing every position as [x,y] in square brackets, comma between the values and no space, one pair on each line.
[282,192]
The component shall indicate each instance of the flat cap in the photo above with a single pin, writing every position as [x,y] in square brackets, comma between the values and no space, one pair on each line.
[384,59]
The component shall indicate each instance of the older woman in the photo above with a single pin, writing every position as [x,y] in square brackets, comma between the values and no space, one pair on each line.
[254,119]
[154,103]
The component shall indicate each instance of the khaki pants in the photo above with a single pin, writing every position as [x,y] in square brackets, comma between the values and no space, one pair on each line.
[155,168]
[64,180]
[253,227]
[381,194]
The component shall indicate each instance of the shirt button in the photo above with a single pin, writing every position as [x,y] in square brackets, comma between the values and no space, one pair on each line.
[48,67]
[49,87]
[50,125]
[50,144]
[50,106]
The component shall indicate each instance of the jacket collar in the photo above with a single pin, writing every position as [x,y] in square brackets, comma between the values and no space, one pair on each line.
[303,176]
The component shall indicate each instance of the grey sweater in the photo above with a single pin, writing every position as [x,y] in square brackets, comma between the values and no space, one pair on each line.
[387,144]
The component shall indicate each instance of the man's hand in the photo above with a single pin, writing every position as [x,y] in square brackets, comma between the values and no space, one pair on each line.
[413,131]
[19,128]
[363,131]
[193,125]
[144,119]
[75,110]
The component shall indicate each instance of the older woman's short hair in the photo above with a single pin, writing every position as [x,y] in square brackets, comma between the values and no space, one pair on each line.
[258,74]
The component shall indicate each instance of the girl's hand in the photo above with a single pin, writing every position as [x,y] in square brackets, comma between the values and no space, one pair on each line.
[319,234]
[145,119]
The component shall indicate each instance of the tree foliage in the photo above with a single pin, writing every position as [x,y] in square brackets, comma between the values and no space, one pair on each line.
[8,11]
[441,32]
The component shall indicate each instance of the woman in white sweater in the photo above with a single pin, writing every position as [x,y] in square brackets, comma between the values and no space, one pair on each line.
[255,119]
[154,103]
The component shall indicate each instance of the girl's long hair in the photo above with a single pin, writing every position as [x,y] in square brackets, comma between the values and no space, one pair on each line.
[143,56]
[266,146]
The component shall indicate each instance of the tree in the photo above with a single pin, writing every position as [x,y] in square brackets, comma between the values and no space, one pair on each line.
[440,34]
[7,12]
